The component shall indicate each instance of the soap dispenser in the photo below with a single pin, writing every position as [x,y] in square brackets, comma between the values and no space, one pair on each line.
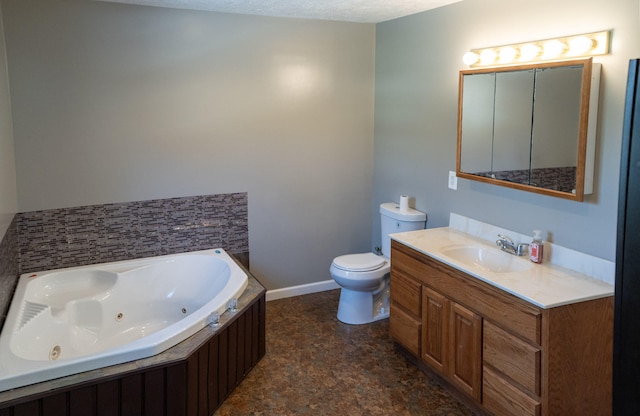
[536,248]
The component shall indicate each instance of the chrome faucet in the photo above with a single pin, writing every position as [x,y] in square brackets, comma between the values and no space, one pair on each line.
[507,244]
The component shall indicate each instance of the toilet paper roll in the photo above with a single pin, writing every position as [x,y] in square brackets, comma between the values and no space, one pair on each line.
[404,203]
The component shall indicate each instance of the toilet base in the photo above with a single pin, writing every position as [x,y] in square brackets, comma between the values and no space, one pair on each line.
[357,308]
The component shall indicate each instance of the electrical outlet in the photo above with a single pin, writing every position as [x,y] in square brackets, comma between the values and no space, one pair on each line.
[453,180]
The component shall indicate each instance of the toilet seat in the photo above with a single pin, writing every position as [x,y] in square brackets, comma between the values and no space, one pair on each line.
[363,262]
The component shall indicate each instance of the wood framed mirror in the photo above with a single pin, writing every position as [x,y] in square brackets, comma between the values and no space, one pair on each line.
[530,127]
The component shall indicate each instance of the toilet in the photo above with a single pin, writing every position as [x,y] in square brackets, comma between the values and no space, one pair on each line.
[364,277]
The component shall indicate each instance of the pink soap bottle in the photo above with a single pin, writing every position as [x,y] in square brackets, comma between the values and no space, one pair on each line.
[536,248]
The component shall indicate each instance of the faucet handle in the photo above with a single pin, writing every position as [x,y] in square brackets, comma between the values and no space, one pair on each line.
[505,238]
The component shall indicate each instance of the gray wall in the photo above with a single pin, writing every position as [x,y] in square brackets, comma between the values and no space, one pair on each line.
[115,103]
[417,64]
[8,196]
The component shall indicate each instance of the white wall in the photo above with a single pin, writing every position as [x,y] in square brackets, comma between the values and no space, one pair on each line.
[417,64]
[115,103]
[8,196]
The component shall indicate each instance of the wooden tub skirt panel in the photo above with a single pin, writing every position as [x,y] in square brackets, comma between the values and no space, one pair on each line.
[193,386]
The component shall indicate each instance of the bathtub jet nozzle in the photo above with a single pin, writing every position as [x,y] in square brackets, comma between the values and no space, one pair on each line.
[214,320]
[54,354]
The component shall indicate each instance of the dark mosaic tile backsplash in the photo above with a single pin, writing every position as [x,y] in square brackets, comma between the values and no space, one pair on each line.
[101,233]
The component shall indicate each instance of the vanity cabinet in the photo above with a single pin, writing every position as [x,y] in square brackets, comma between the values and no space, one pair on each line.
[510,357]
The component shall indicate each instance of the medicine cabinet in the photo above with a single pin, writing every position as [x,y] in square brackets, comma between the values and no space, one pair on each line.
[530,127]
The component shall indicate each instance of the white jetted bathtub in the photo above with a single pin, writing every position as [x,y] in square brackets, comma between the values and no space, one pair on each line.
[67,321]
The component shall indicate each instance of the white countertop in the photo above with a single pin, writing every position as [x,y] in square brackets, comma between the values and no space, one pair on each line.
[545,285]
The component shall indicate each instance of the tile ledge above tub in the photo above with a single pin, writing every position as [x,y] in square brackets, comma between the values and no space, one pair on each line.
[546,285]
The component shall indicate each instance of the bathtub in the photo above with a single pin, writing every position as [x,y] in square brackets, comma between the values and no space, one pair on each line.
[67,321]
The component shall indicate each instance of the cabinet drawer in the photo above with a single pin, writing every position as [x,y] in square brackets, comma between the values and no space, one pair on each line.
[405,329]
[515,358]
[405,292]
[502,398]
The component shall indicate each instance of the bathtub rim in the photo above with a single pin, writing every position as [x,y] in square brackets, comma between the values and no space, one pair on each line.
[144,359]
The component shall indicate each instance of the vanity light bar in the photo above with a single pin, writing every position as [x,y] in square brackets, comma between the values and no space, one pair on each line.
[589,44]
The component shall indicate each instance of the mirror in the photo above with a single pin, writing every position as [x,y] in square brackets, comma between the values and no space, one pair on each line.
[530,127]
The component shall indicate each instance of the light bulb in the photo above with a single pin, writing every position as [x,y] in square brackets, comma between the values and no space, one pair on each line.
[580,45]
[488,56]
[470,58]
[553,49]
[529,52]
[508,54]
[600,43]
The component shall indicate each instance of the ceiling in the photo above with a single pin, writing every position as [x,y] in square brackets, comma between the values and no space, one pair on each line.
[361,11]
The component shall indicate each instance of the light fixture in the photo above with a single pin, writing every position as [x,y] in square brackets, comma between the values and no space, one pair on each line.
[589,44]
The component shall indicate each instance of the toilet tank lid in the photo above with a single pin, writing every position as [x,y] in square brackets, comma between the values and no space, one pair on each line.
[362,262]
[392,210]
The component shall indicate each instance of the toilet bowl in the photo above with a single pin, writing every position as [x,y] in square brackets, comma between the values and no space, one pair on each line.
[364,277]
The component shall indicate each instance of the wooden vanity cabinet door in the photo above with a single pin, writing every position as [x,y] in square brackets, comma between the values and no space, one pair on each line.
[452,341]
[435,324]
[465,346]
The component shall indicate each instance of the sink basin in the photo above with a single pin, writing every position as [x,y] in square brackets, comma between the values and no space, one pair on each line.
[491,260]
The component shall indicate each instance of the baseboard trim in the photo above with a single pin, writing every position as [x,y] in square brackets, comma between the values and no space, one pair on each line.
[288,292]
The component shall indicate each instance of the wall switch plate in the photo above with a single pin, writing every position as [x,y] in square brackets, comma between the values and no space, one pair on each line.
[453,180]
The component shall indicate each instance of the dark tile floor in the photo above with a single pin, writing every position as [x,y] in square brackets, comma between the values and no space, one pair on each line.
[316,365]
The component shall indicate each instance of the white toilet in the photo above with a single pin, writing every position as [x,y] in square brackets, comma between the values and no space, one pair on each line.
[364,277]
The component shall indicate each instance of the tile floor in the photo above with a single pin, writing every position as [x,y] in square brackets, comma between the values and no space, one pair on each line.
[316,365]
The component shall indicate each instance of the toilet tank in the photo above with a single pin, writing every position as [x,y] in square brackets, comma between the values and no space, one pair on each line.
[392,220]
